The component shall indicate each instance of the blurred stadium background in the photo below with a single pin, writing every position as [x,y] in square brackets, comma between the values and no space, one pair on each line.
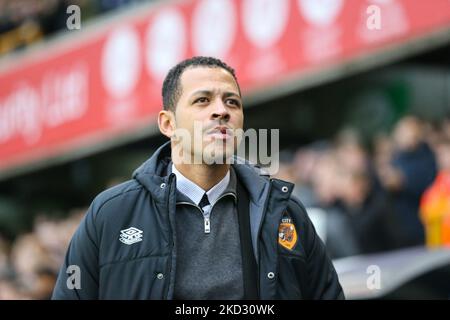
[359,89]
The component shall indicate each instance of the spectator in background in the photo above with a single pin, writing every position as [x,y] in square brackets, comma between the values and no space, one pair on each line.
[364,203]
[410,172]
[367,211]
[383,150]
[350,151]
[340,240]
[28,269]
[30,261]
[23,22]
[338,182]
[433,133]
[435,202]
[354,157]
[303,167]
[19,24]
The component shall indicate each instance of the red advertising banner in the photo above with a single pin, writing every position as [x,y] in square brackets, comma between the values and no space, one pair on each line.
[102,82]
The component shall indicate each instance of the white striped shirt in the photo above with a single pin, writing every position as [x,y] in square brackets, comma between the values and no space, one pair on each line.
[195,192]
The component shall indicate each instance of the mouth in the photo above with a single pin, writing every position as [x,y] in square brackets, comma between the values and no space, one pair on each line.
[221,132]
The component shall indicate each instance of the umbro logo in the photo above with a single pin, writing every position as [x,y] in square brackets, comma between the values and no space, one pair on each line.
[130,235]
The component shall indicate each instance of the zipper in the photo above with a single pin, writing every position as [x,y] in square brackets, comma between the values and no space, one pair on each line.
[207,224]
[206,218]
[169,183]
[258,283]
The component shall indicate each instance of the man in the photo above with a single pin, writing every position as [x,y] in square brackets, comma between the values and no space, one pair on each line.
[189,229]
[412,169]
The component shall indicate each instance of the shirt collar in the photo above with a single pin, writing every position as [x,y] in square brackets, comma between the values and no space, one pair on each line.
[195,192]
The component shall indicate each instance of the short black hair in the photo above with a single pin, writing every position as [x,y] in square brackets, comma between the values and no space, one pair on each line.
[171,89]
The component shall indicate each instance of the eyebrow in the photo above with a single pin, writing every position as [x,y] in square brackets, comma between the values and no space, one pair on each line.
[210,92]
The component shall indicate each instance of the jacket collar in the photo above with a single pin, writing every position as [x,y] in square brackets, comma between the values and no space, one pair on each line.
[195,192]
[154,172]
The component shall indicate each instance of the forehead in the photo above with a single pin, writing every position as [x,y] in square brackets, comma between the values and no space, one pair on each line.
[195,78]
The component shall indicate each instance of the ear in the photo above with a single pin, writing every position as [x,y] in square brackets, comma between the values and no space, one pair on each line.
[166,123]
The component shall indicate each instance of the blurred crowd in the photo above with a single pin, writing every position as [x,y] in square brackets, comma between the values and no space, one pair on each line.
[30,264]
[391,193]
[23,22]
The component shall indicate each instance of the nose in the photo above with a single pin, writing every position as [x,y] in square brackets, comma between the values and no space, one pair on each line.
[220,112]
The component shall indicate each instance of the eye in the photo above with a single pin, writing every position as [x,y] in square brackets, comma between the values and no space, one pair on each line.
[201,100]
[234,102]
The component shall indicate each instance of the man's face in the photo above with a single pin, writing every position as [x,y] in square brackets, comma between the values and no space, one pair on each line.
[407,134]
[209,110]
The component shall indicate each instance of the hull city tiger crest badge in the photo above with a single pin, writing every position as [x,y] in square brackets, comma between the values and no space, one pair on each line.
[287,235]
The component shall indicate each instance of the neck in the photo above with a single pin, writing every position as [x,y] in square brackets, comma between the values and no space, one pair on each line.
[203,175]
